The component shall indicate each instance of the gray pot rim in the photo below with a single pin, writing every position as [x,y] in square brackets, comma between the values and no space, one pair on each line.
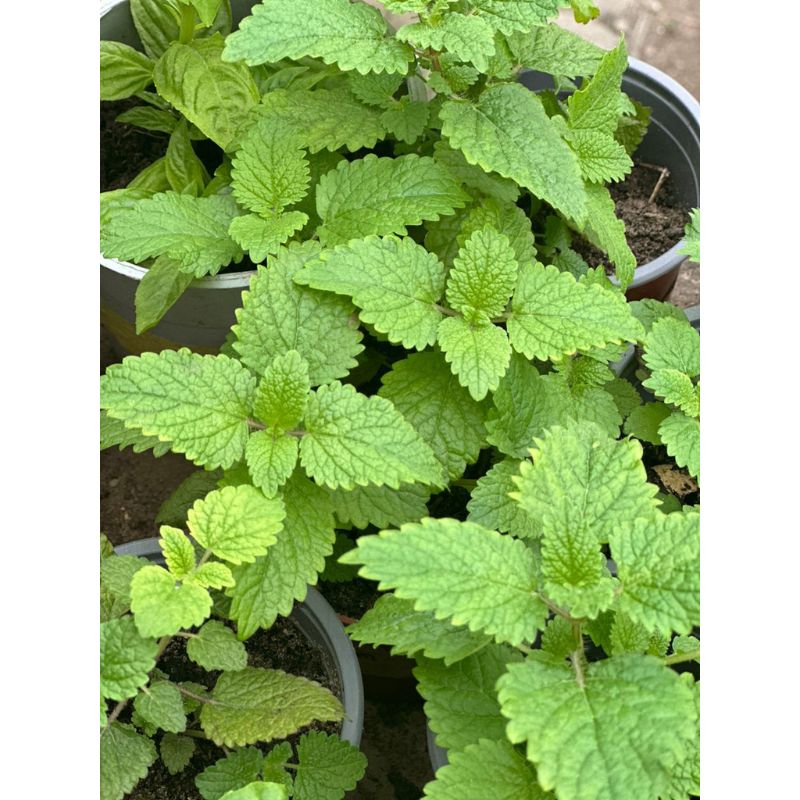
[337,641]
[230,280]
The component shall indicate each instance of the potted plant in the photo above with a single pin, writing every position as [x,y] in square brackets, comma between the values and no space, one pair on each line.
[181,691]
[564,622]
[432,111]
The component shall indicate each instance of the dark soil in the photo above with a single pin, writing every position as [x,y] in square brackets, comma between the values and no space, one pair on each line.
[670,479]
[124,149]
[651,228]
[350,598]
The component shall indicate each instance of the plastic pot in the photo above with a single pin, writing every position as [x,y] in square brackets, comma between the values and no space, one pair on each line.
[205,312]
[672,141]
[319,623]
[437,755]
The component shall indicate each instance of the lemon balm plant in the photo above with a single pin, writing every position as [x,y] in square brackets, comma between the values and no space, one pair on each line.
[328,126]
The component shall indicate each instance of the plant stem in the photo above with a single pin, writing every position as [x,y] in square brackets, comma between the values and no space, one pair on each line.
[205,558]
[448,312]
[118,709]
[187,24]
[465,483]
[198,697]
[577,655]
[258,426]
[195,734]
[680,658]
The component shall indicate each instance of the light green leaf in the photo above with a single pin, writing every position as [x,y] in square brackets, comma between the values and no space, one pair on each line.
[477,182]
[113,201]
[676,388]
[113,433]
[335,572]
[647,311]
[354,440]
[658,563]
[152,179]
[282,393]
[263,237]
[478,353]
[673,344]
[175,508]
[269,171]
[273,767]
[552,315]
[458,570]
[232,772]
[215,96]
[384,195]
[508,16]
[178,552]
[161,607]
[157,23]
[126,658]
[336,31]
[375,89]
[508,131]
[271,458]
[644,422]
[327,119]
[259,790]
[158,290]
[327,767]
[271,584]
[596,105]
[555,50]
[161,706]
[380,506]
[491,506]
[206,10]
[215,646]
[468,38]
[626,398]
[395,282]
[686,775]
[461,700]
[601,157]
[236,523]
[176,752]
[486,769]
[123,71]
[192,231]
[279,315]
[444,414]
[681,435]
[125,758]
[686,644]
[691,239]
[185,172]
[633,701]
[200,404]
[406,119]
[116,573]
[259,705]
[392,621]
[213,575]
[582,480]
[483,276]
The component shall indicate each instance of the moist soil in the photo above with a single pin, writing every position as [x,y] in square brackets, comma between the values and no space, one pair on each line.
[651,228]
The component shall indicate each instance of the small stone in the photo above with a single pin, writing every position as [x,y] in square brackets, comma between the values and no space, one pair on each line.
[113,482]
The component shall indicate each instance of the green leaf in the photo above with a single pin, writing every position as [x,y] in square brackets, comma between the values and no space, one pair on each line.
[644,422]
[200,404]
[380,506]
[552,315]
[125,658]
[395,282]
[185,172]
[676,388]
[282,394]
[375,89]
[279,315]
[336,31]
[213,575]
[262,237]
[632,127]
[392,621]
[192,231]
[582,480]
[236,523]
[658,563]
[444,414]
[691,238]
[478,353]
[206,10]
[686,775]
[161,607]
[628,636]
[116,573]
[175,508]
[647,311]
[477,182]
[123,71]
[232,772]
[176,752]
[157,23]
[327,119]
[483,276]
[215,646]
[482,770]
[269,171]
[555,50]
[406,119]
[673,344]
[491,506]
[160,705]
[508,131]
[178,552]
[259,705]
[458,570]
[354,440]
[461,700]
[215,96]
[273,768]
[468,38]
[158,290]
[508,16]
[335,572]
[258,791]
[125,758]
[626,398]
[271,458]
[271,584]
[681,435]
[601,157]
[633,701]
[327,767]
[151,179]
[596,105]
[384,195]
